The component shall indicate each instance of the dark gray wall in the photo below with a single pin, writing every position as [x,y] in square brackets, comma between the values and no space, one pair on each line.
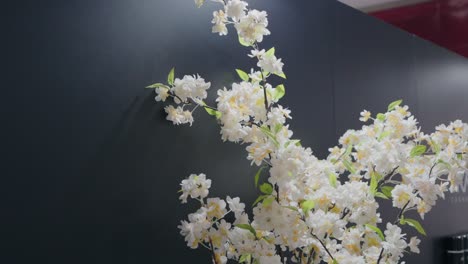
[90,166]
[393,64]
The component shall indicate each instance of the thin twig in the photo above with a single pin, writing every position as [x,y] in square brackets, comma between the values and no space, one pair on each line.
[212,251]
[380,256]
[400,214]
[346,211]
[324,247]
[432,153]
[430,171]
[311,255]
[277,192]
[385,178]
[265,93]
[338,159]
[402,211]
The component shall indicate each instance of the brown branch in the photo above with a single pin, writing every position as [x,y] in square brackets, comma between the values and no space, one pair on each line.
[267,108]
[430,171]
[324,247]
[311,255]
[210,107]
[400,214]
[213,252]
[402,211]
[277,192]
[385,178]
[432,153]
[380,256]
[339,158]
[301,254]
[346,211]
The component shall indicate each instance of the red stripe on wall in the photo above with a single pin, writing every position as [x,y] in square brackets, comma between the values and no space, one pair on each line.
[442,22]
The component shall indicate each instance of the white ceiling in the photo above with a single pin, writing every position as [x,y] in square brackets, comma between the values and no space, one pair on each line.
[376,5]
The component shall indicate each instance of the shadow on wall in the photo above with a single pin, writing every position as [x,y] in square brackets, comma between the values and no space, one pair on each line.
[129,210]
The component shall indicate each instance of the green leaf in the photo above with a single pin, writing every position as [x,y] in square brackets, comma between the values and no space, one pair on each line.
[244,43]
[446,164]
[418,150]
[435,147]
[292,208]
[266,188]
[381,117]
[278,128]
[381,195]
[259,199]
[267,201]
[267,132]
[247,227]
[278,92]
[296,142]
[335,261]
[282,75]
[349,166]
[270,240]
[170,77]
[460,156]
[387,191]
[257,176]
[373,182]
[348,151]
[243,75]
[270,52]
[307,205]
[256,261]
[384,135]
[157,85]
[415,224]
[332,179]
[213,112]
[376,230]
[402,220]
[394,104]
[245,258]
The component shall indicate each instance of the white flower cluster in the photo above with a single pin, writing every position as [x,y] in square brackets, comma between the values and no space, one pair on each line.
[190,87]
[238,106]
[207,226]
[268,62]
[196,186]
[311,210]
[251,25]
[185,91]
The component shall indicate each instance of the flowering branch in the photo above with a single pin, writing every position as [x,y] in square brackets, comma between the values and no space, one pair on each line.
[341,214]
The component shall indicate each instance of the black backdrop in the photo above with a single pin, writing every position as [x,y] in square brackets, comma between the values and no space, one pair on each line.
[90,167]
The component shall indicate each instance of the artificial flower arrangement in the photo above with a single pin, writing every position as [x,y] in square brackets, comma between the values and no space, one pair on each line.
[310,210]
